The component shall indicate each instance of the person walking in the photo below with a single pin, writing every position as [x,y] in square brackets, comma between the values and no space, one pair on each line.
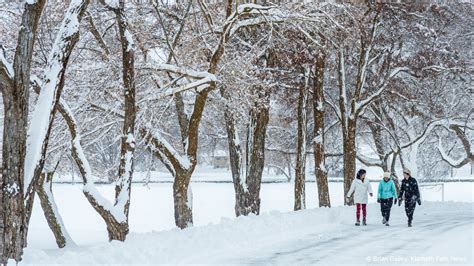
[410,192]
[386,196]
[360,186]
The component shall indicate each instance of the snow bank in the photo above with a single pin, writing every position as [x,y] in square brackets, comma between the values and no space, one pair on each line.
[238,240]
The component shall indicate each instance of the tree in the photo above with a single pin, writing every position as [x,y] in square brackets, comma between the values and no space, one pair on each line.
[182,166]
[23,153]
[300,198]
[319,128]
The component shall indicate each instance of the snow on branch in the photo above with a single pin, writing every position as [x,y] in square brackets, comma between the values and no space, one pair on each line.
[452,162]
[53,74]
[271,18]
[180,70]
[100,203]
[423,135]
[111,4]
[5,66]
[367,161]
[438,68]
[195,84]
[360,105]
[244,9]
[89,189]
[171,154]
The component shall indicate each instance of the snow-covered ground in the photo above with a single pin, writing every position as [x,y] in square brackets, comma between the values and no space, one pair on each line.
[442,230]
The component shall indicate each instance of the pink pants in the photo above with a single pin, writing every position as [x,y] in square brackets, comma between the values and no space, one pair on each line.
[364,211]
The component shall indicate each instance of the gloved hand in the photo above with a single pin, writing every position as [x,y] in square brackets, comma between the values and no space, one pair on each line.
[378,200]
[395,201]
[371,194]
[418,201]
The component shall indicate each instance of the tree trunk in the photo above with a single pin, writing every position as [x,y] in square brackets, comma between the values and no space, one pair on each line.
[15,100]
[349,149]
[300,201]
[125,171]
[14,149]
[319,112]
[255,160]
[45,194]
[183,214]
[235,155]
[116,231]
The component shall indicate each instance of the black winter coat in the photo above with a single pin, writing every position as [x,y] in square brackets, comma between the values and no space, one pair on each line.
[409,187]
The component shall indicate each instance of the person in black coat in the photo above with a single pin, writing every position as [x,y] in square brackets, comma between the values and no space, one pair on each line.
[409,190]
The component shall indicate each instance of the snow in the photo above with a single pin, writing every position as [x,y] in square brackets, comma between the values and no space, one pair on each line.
[129,155]
[277,236]
[197,83]
[184,161]
[112,3]
[129,38]
[318,139]
[117,212]
[190,197]
[446,157]
[12,189]
[322,167]
[182,70]
[320,106]
[57,214]
[158,55]
[236,138]
[89,186]
[8,67]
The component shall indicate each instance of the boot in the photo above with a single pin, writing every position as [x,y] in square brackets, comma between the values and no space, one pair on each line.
[363,222]
[357,223]
[386,224]
[409,224]
[384,221]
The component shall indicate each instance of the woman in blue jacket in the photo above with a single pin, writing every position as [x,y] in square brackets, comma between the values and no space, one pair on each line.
[387,194]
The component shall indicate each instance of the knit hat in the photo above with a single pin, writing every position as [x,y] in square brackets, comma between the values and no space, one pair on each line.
[386,174]
[406,170]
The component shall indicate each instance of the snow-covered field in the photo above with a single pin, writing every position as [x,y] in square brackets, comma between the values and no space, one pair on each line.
[278,236]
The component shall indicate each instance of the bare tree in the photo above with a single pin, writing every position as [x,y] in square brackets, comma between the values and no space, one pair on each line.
[182,166]
[24,154]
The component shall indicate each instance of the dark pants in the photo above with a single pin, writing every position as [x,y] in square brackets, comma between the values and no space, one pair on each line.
[410,209]
[385,206]
[364,211]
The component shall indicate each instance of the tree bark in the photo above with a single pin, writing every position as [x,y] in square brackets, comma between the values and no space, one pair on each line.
[182,195]
[125,172]
[349,149]
[255,161]
[55,223]
[235,153]
[15,100]
[117,230]
[319,127]
[300,175]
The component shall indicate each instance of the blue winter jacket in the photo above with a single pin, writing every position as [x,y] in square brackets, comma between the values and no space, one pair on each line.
[387,190]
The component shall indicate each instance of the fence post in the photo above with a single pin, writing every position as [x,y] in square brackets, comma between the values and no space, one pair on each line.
[442,192]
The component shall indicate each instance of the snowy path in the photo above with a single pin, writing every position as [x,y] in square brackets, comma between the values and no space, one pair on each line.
[375,243]
[442,235]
